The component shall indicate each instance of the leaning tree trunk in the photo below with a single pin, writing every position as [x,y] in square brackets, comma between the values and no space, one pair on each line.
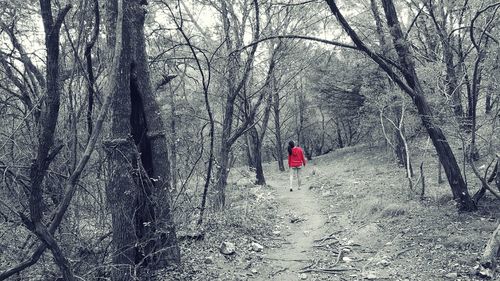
[413,88]
[46,150]
[446,156]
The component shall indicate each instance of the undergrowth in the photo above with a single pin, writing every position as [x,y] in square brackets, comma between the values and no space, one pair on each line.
[249,217]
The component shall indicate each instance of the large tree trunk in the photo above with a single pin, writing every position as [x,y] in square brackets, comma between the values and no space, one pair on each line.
[121,150]
[413,88]
[121,193]
[165,249]
[138,191]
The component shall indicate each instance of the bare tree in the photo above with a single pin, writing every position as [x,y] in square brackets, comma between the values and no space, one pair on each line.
[410,84]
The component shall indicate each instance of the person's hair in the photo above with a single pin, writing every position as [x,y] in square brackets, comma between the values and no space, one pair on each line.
[291,145]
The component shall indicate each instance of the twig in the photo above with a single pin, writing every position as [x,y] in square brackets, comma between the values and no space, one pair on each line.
[327,270]
[331,236]
[279,271]
[313,264]
[402,252]
[338,257]
[278,259]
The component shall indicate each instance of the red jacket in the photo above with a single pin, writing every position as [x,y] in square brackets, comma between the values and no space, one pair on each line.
[297,158]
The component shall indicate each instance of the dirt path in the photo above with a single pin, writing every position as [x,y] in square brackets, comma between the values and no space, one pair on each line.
[301,223]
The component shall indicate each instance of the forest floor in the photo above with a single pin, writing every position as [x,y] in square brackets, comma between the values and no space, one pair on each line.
[353,219]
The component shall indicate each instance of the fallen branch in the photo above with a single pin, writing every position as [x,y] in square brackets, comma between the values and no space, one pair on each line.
[321,240]
[326,248]
[279,271]
[278,259]
[488,261]
[403,251]
[327,270]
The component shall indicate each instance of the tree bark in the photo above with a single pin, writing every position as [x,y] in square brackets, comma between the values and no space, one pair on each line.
[138,190]
[165,250]
[121,151]
[46,151]
[277,130]
[90,70]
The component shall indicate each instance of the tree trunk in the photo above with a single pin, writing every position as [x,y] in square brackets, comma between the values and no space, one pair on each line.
[173,141]
[446,156]
[153,150]
[234,88]
[340,142]
[46,150]
[413,88]
[256,147]
[121,193]
[277,130]
[121,151]
[258,137]
[138,190]
[249,145]
[223,173]
[452,85]
[491,88]
[90,70]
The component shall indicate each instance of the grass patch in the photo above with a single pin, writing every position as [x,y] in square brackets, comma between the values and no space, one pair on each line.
[371,208]
[394,210]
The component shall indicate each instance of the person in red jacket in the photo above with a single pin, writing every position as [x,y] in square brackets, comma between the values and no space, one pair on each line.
[296,160]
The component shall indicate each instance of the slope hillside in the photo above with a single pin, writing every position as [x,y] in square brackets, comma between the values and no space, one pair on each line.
[353,219]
